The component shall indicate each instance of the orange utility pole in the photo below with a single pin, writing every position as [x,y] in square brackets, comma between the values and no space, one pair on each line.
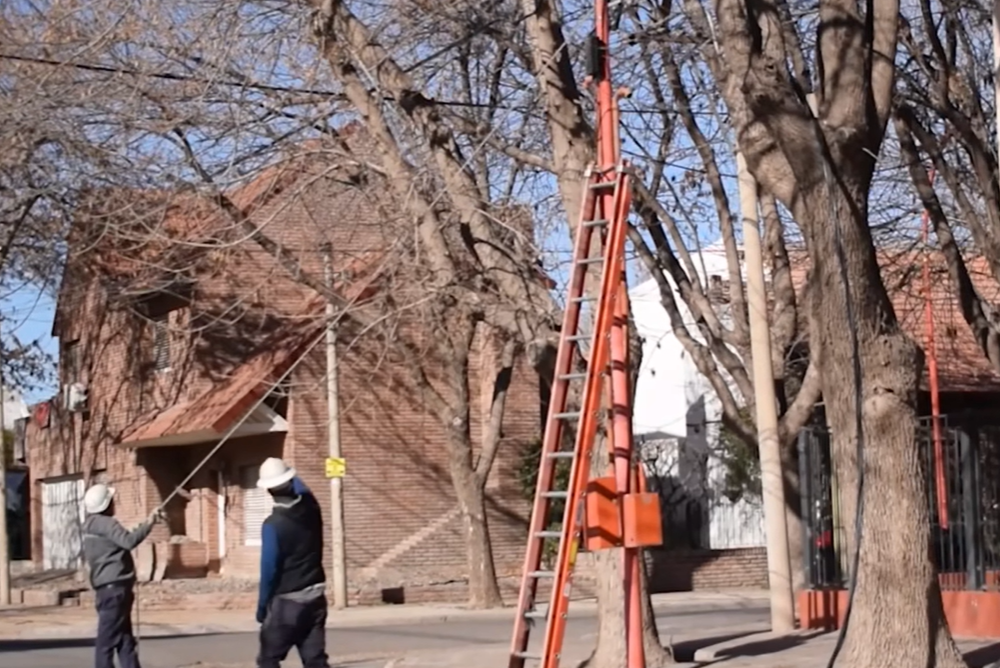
[940,472]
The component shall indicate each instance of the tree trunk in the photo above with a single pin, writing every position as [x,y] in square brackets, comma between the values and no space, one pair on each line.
[484,592]
[895,572]
[611,638]
[793,515]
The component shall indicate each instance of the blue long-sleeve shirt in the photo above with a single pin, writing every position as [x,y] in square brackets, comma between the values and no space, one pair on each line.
[271,557]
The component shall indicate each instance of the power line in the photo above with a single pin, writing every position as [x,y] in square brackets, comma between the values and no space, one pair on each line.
[271,88]
[190,78]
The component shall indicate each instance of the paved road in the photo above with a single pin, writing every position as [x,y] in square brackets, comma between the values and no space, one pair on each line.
[353,644]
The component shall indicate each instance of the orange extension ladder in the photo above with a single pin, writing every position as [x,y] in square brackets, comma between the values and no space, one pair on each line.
[608,511]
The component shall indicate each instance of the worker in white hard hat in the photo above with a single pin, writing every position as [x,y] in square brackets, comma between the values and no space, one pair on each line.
[292,605]
[107,548]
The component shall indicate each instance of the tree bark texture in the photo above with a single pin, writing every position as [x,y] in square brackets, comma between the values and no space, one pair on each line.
[484,592]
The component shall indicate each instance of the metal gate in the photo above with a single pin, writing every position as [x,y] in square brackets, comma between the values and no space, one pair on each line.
[62,517]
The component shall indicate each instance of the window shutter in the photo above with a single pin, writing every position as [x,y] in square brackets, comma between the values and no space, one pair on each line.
[257,505]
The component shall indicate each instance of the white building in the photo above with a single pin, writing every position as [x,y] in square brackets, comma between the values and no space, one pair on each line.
[677,421]
[14,407]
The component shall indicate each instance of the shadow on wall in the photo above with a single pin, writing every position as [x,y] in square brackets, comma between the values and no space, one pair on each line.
[676,469]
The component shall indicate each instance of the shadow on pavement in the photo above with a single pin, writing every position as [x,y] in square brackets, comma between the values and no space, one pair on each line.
[35,644]
[684,650]
[983,656]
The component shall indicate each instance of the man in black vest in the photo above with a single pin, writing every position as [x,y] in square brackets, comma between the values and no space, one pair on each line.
[291,608]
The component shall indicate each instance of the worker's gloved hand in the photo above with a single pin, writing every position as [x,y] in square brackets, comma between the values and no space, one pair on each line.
[156,517]
[261,614]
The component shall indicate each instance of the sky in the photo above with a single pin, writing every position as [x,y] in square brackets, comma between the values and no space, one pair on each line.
[29,314]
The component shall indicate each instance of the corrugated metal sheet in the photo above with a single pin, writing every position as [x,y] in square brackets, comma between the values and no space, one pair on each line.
[62,519]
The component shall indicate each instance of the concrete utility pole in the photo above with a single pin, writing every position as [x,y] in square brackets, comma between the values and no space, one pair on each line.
[338,548]
[772,482]
[4,537]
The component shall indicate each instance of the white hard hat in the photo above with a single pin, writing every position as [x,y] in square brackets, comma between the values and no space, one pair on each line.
[98,498]
[274,473]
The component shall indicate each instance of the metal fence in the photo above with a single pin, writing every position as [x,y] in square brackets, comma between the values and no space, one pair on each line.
[963,475]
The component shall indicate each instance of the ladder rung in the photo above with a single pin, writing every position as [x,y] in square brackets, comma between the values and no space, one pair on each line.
[556,495]
[582,300]
[591,260]
[601,185]
[572,376]
[526,655]
[548,534]
[578,337]
[536,614]
[562,454]
[600,222]
[571,415]
[543,574]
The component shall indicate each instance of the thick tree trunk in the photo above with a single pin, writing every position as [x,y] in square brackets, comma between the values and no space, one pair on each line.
[484,592]
[895,571]
[611,638]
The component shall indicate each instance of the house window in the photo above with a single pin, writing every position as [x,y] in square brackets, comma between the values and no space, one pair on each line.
[161,341]
[257,505]
[71,361]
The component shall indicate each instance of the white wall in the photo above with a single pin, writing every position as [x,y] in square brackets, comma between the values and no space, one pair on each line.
[14,407]
[678,416]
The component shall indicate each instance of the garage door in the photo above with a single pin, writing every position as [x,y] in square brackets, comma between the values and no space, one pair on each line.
[62,517]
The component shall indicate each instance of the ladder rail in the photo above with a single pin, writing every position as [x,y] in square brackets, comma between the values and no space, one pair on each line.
[554,430]
[590,410]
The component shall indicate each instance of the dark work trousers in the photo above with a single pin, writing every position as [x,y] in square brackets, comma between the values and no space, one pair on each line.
[114,627]
[294,623]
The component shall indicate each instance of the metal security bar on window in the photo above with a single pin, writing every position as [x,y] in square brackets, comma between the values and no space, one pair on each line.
[161,343]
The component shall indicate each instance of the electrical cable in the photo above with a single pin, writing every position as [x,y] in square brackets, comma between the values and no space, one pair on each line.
[229,433]
[239,423]
[834,212]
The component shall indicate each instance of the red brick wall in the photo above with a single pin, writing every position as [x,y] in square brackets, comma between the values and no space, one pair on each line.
[401,518]
[707,569]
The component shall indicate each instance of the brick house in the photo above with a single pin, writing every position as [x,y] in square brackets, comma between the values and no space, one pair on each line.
[175,328]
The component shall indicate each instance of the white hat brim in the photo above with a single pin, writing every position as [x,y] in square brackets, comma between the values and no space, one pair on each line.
[276,481]
[104,504]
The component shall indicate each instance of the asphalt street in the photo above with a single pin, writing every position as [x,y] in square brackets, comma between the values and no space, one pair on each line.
[353,645]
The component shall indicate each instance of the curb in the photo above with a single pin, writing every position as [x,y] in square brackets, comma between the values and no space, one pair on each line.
[587,607]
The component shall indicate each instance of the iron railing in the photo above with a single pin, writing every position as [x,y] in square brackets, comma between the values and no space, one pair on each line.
[965,524]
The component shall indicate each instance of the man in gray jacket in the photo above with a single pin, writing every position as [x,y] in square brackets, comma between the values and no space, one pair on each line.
[107,547]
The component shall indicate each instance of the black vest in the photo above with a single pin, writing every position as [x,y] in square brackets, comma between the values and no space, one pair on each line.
[300,541]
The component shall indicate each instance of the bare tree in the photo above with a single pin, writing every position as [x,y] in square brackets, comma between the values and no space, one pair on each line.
[944,123]
[820,168]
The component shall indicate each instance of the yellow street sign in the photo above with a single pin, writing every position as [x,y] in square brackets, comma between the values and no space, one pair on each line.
[336,467]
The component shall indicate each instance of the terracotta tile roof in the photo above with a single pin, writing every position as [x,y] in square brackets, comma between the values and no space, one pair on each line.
[219,407]
[962,366]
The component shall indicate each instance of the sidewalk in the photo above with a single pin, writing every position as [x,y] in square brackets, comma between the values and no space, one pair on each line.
[42,623]
[754,650]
